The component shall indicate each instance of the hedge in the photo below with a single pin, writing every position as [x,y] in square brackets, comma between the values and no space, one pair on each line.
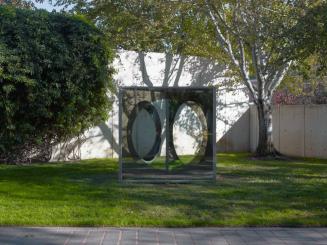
[55,80]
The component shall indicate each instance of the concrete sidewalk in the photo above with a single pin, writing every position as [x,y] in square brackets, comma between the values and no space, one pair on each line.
[213,236]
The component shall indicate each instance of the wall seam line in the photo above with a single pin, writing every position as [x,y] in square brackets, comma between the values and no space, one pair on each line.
[304,130]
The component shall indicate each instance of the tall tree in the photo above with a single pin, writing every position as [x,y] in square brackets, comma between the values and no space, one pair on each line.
[256,37]
[253,38]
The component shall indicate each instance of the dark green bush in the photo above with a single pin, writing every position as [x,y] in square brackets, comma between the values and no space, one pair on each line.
[54,81]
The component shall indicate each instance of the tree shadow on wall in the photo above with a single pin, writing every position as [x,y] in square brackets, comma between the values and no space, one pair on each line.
[175,71]
[203,72]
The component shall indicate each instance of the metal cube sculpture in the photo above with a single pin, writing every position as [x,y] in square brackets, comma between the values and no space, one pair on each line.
[147,120]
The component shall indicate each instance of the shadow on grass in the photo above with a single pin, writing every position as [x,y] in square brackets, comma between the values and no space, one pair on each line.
[247,193]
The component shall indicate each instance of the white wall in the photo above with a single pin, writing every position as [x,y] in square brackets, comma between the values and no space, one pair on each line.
[299,130]
[158,69]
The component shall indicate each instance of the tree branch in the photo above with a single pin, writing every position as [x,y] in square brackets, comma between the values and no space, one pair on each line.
[222,40]
[227,48]
[278,77]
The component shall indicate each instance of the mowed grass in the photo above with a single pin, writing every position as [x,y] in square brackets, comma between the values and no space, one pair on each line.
[247,193]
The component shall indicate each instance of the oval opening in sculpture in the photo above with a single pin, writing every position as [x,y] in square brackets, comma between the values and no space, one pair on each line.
[189,132]
[145,137]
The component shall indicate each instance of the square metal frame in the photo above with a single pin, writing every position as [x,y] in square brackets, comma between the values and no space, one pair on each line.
[122,89]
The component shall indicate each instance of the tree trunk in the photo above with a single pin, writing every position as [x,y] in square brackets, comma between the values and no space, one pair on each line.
[265,145]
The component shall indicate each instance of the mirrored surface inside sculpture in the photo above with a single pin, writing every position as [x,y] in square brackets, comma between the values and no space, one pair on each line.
[167,134]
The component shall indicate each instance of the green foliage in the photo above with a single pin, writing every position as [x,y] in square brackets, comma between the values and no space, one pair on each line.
[307,73]
[18,3]
[158,26]
[54,79]
[183,27]
[308,47]
[310,35]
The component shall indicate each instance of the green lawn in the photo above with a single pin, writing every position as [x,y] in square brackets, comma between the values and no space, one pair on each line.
[247,193]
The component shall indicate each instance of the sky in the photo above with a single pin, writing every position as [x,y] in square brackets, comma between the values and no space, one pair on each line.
[46,6]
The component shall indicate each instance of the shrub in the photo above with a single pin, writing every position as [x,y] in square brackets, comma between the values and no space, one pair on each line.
[54,81]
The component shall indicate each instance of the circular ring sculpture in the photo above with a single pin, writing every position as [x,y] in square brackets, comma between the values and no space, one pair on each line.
[141,134]
[150,156]
[146,105]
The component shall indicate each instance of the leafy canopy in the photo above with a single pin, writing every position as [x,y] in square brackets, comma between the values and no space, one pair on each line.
[18,3]
[149,25]
[184,27]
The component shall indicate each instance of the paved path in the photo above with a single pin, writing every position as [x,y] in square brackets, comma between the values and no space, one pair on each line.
[219,236]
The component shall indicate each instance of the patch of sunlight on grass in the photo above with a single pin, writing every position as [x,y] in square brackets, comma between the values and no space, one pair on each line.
[248,192]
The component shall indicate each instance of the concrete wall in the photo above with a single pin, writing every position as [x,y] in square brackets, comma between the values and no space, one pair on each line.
[158,69]
[299,130]
[237,137]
